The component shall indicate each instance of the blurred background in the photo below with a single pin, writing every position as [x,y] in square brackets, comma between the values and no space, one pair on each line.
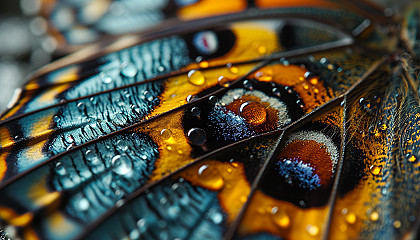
[24,45]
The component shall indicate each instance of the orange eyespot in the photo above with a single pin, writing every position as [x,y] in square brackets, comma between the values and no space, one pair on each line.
[312,153]
[254,113]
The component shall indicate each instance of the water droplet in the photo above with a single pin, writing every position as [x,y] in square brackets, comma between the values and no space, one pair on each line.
[121,144]
[248,85]
[211,177]
[232,68]
[224,81]
[213,100]
[234,164]
[276,92]
[195,111]
[374,216]
[412,158]
[316,90]
[330,67]
[196,77]
[128,69]
[215,216]
[148,96]
[142,225]
[197,136]
[121,164]
[169,148]
[190,98]
[81,203]
[253,112]
[60,169]
[351,218]
[265,76]
[80,105]
[134,234]
[281,219]
[166,134]
[312,230]
[173,211]
[105,78]
[243,198]
[375,169]
[229,170]
[397,224]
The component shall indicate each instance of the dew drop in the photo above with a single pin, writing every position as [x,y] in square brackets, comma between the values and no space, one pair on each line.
[60,169]
[210,177]
[397,224]
[351,218]
[197,136]
[265,76]
[196,77]
[195,111]
[375,170]
[142,225]
[121,165]
[128,69]
[312,230]
[224,81]
[148,96]
[213,100]
[374,216]
[248,85]
[121,144]
[105,78]
[81,203]
[276,92]
[253,112]
[281,219]
[232,68]
[234,164]
[166,134]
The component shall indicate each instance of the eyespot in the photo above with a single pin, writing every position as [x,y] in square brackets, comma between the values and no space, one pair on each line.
[247,109]
[303,170]
[206,42]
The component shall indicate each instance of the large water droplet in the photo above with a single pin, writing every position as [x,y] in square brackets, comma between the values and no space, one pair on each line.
[166,134]
[197,136]
[121,164]
[196,77]
[128,69]
[224,81]
[195,111]
[213,100]
[253,112]
[210,177]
